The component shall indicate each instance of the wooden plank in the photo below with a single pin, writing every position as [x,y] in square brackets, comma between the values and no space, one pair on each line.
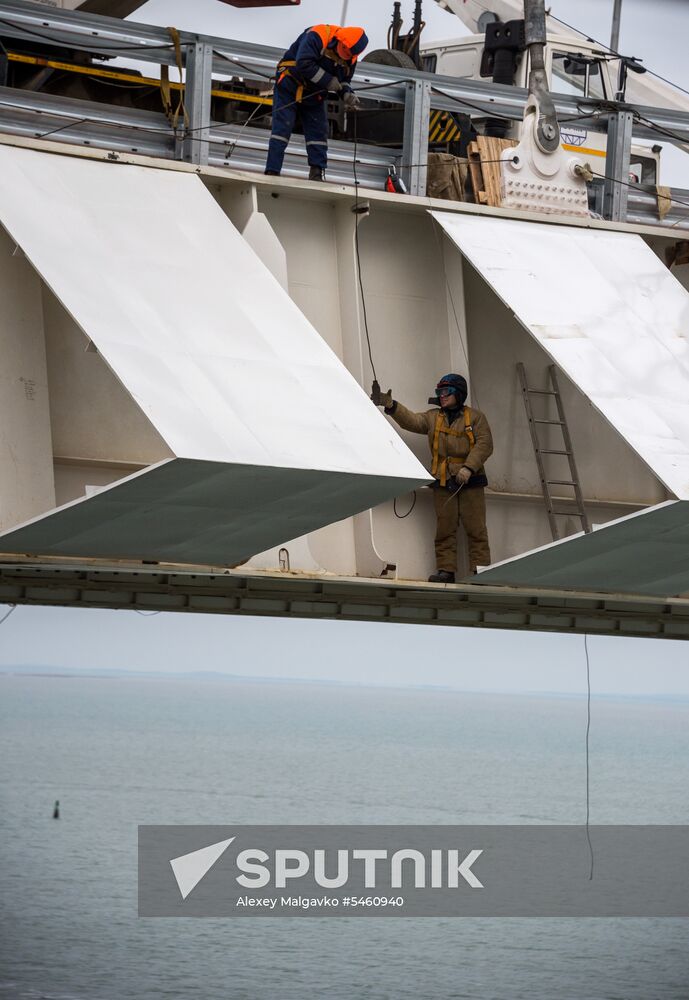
[484,168]
[475,174]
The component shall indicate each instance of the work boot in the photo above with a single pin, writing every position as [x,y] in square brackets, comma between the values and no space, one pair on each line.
[442,576]
[272,173]
[316,174]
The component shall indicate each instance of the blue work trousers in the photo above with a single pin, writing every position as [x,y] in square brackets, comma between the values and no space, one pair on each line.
[314,120]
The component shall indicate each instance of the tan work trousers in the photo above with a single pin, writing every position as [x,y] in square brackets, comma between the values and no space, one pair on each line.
[468,508]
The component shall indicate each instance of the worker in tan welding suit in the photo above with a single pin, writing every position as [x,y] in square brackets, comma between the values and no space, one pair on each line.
[460,441]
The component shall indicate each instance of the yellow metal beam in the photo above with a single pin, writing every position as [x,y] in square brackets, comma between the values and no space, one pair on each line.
[110,74]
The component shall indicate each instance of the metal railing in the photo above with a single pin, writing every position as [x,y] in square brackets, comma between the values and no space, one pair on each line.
[204,141]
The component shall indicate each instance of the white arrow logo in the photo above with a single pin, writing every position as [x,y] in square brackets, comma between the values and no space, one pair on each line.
[189,869]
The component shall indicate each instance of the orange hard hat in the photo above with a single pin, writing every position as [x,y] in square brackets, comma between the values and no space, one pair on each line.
[351,42]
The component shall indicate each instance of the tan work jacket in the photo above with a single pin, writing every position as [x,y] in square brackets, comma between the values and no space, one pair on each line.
[467,441]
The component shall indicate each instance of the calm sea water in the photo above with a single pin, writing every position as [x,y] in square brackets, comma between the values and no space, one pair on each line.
[122,752]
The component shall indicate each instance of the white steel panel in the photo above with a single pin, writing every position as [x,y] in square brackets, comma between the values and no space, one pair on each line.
[207,342]
[611,316]
[645,553]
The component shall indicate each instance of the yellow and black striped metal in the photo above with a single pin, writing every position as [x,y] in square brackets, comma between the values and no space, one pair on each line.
[443,127]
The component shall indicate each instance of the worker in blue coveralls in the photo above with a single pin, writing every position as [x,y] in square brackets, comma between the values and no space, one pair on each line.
[321,61]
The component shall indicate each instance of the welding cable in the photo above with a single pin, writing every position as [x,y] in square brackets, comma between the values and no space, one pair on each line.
[401,517]
[604,108]
[357,90]
[588,764]
[63,128]
[476,107]
[357,250]
[409,166]
[269,109]
[144,129]
[437,233]
[381,86]
[252,116]
[454,494]
[248,69]
[584,116]
[240,133]
[641,187]
[83,121]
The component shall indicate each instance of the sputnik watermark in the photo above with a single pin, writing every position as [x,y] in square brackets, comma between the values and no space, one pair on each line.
[258,869]
[412,871]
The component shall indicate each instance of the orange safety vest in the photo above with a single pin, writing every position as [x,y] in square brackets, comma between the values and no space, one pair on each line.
[325,32]
[440,461]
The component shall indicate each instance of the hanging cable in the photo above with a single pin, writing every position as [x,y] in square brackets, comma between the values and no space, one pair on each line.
[454,494]
[402,516]
[436,231]
[357,250]
[588,769]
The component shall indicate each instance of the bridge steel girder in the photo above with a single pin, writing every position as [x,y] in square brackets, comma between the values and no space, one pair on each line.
[296,595]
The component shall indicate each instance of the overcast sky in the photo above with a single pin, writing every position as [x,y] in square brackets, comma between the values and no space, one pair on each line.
[466,658]
[654,29]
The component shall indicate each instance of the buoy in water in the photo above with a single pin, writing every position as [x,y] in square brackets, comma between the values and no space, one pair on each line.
[56,809]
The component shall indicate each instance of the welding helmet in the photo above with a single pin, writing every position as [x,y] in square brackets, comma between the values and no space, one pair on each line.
[451,385]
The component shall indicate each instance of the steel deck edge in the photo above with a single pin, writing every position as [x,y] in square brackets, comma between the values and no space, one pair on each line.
[289,186]
[290,595]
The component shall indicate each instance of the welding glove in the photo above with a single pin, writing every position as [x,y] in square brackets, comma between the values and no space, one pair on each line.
[351,101]
[381,398]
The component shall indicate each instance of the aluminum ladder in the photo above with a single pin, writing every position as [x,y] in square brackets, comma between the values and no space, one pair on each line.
[573,482]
